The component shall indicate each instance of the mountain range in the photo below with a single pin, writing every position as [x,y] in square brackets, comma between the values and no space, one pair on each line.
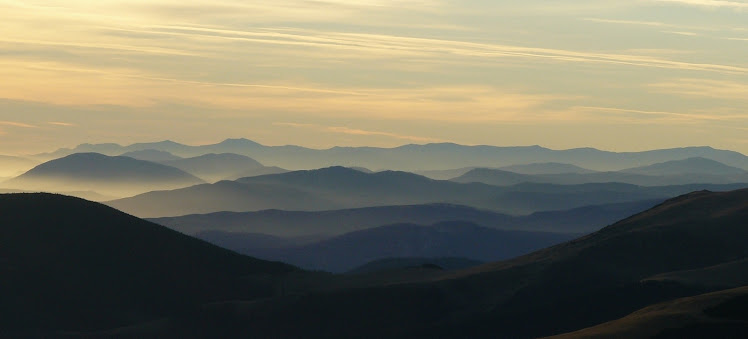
[441,156]
[341,188]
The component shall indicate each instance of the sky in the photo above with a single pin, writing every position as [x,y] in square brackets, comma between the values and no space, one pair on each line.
[616,75]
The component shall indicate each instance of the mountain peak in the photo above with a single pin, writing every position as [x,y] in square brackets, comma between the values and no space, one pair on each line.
[239,142]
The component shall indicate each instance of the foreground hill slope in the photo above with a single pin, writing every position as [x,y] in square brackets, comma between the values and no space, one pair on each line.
[722,314]
[104,174]
[70,264]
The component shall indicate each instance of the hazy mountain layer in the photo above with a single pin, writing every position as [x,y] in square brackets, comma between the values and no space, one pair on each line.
[669,173]
[339,188]
[422,157]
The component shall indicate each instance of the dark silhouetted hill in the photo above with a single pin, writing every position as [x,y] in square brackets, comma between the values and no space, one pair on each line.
[389,264]
[725,275]
[266,170]
[70,264]
[103,174]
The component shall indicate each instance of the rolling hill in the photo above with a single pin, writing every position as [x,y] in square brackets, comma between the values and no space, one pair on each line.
[69,264]
[118,176]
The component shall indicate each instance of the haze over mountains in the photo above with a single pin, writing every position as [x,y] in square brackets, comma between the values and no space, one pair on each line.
[419,157]
[12,166]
